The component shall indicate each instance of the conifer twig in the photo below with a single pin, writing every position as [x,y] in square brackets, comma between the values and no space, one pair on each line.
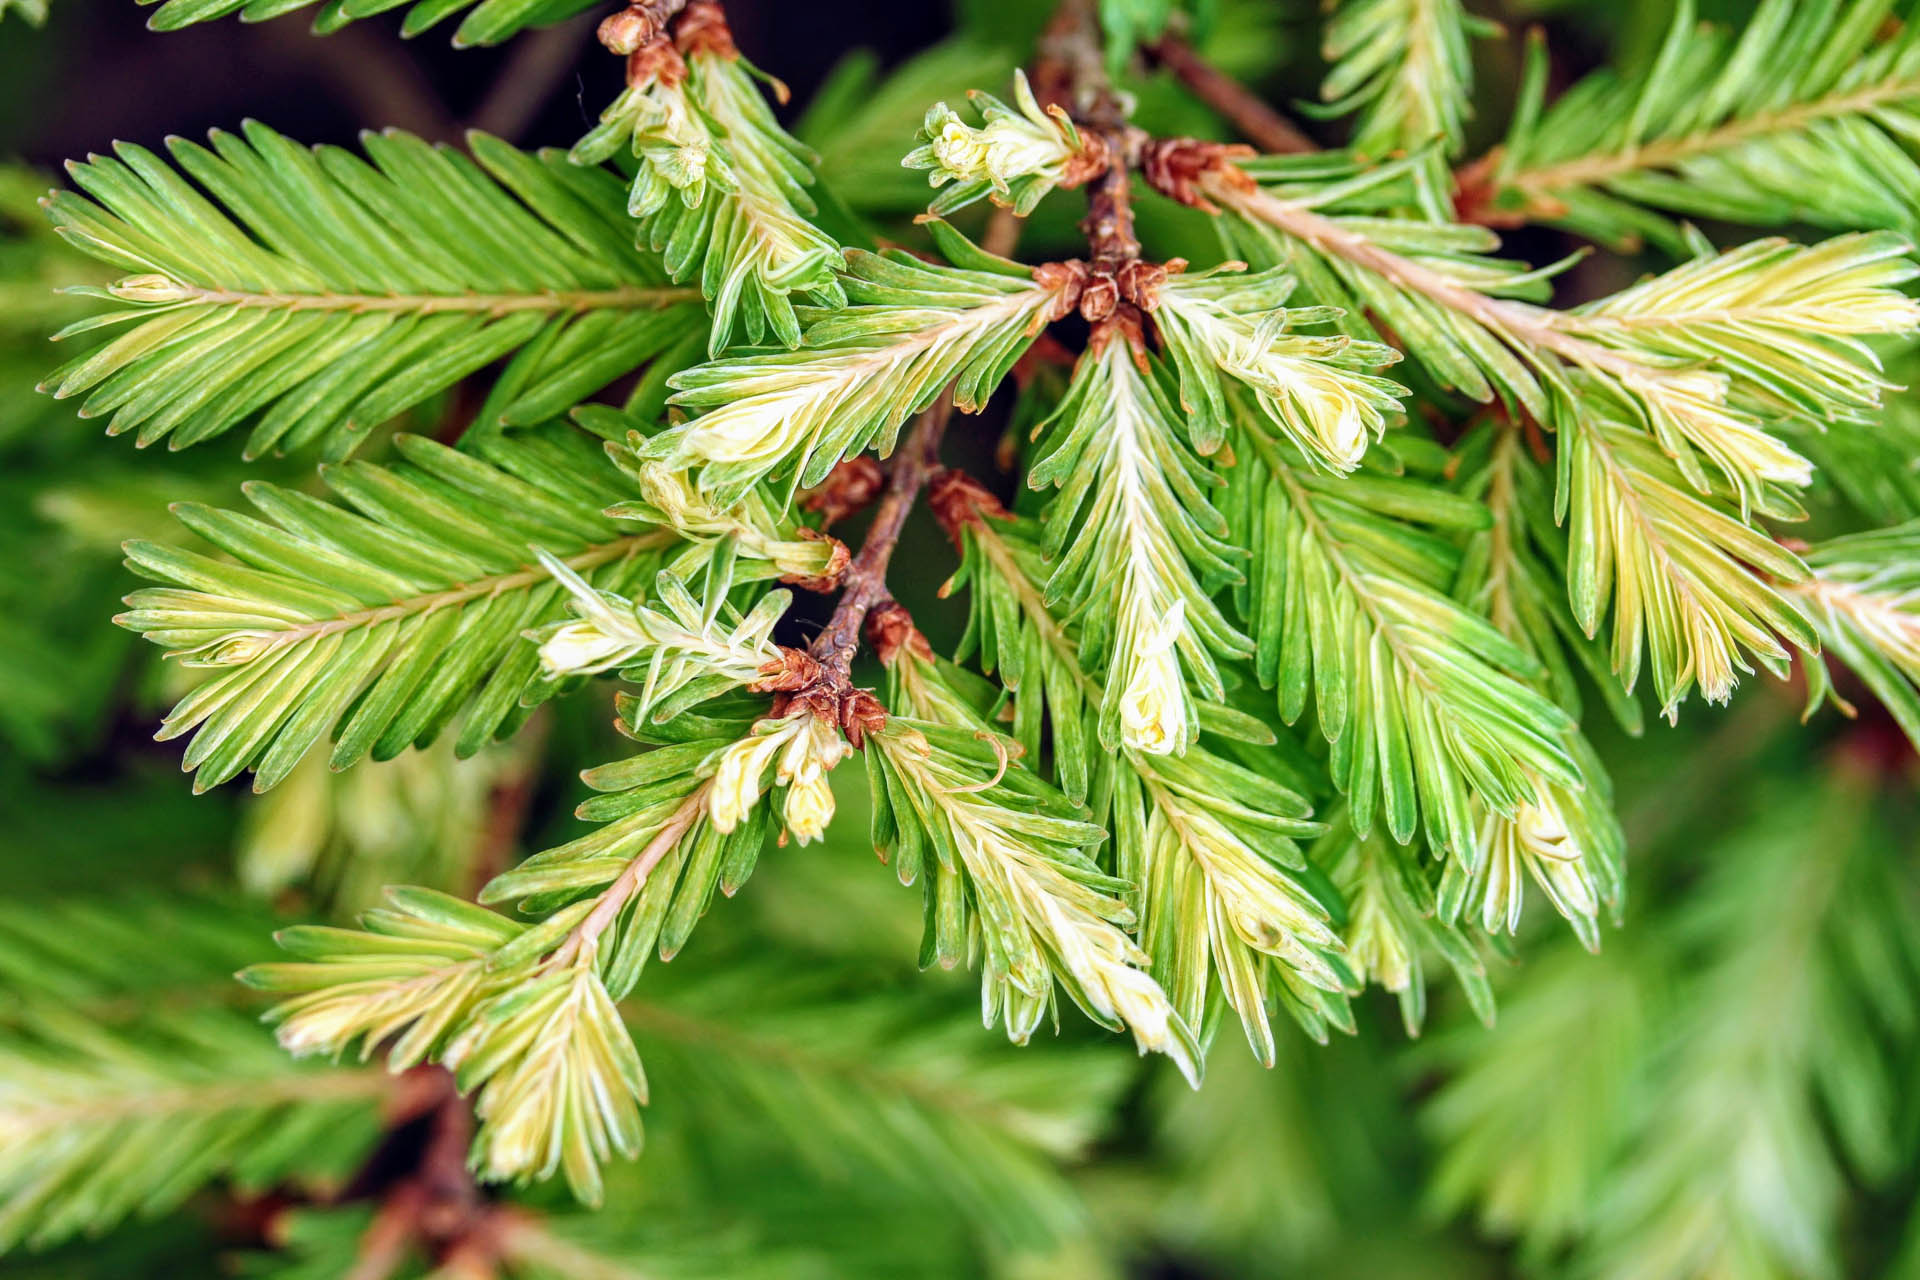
[1072,72]
[865,583]
[866,580]
[1257,122]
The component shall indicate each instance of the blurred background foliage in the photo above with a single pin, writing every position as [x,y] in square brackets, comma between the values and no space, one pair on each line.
[1726,1090]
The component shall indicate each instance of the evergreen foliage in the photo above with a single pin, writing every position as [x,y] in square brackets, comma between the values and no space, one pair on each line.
[1296,650]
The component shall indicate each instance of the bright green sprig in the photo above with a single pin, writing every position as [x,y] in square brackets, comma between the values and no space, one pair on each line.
[1014,156]
[1314,389]
[1208,845]
[486,22]
[721,193]
[680,650]
[1405,67]
[319,295]
[1676,569]
[101,1123]
[558,1081]
[911,330]
[1864,599]
[1008,870]
[1393,923]
[1138,550]
[1808,115]
[1426,706]
[1779,326]
[382,621]
[758,535]
[1568,842]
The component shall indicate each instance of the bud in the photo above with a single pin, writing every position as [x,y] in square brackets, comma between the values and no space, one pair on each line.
[237,650]
[809,755]
[806,749]
[670,492]
[1153,705]
[1543,829]
[1028,146]
[626,31]
[151,289]
[582,648]
[809,806]
[736,784]
[1139,1002]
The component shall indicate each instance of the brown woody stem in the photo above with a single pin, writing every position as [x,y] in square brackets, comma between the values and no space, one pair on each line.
[1072,71]
[866,580]
[1257,122]
[1109,220]
[916,462]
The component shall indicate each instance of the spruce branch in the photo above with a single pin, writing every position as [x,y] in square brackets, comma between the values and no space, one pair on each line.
[1715,128]
[1864,600]
[1006,860]
[1641,346]
[1569,841]
[1768,1006]
[865,585]
[1675,567]
[1522,1125]
[485,22]
[721,189]
[1233,496]
[914,329]
[1406,68]
[524,1012]
[558,1079]
[1394,928]
[1424,705]
[322,603]
[871,1082]
[1709,360]
[100,1123]
[322,295]
[1224,894]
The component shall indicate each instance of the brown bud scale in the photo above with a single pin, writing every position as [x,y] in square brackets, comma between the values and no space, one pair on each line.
[1175,167]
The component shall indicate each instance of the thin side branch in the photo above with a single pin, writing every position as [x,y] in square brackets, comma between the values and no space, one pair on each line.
[1518,323]
[866,580]
[1072,71]
[584,936]
[1251,117]
[865,583]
